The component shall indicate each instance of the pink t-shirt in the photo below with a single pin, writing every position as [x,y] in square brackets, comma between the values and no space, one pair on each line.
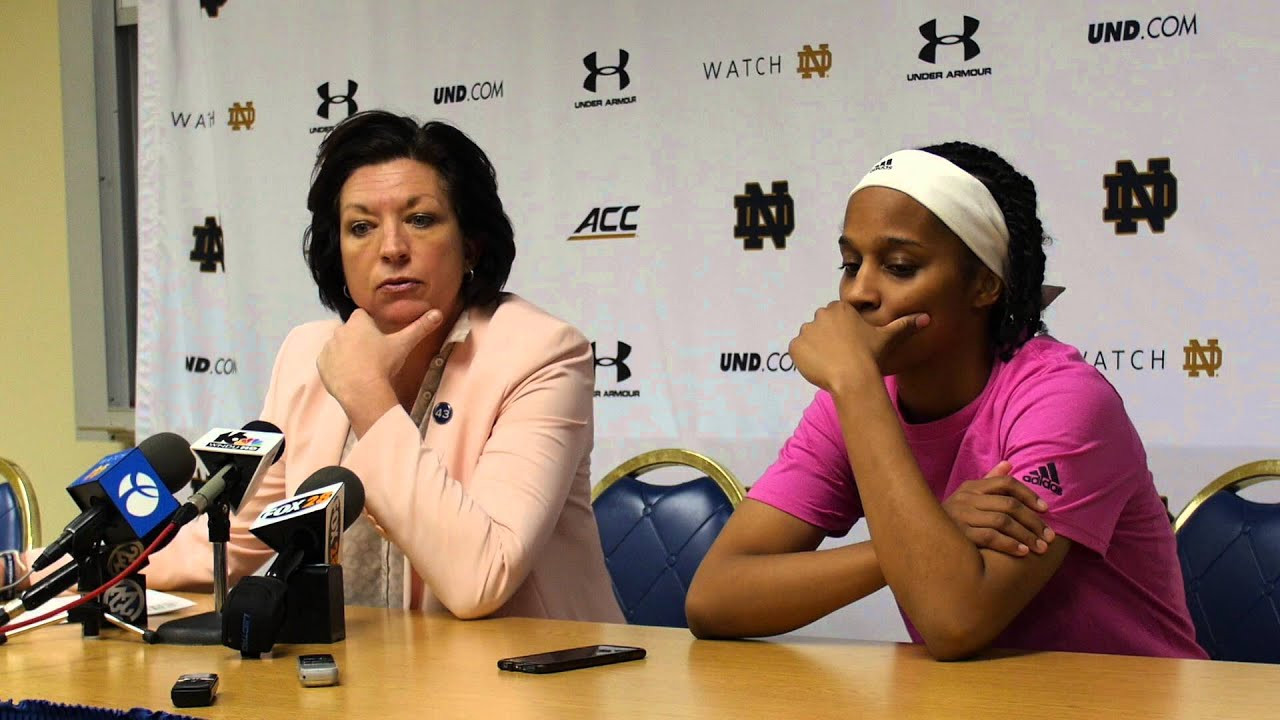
[1065,430]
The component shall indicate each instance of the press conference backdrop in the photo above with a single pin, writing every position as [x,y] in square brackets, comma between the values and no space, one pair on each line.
[677,171]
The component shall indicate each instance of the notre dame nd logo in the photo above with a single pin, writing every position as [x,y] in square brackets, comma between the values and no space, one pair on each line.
[1132,196]
[760,215]
[208,248]
[1199,358]
[814,61]
[241,117]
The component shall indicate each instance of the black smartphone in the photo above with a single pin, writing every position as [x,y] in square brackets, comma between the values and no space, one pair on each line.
[571,659]
[194,690]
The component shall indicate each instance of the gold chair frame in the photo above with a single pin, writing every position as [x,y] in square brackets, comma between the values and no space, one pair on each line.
[1235,479]
[670,457]
[17,479]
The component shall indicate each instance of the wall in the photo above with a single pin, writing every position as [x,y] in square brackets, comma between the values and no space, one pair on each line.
[37,425]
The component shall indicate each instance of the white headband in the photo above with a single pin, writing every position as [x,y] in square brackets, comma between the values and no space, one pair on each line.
[959,200]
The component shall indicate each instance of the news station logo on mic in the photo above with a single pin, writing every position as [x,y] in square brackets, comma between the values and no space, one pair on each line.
[321,511]
[140,494]
[235,440]
[128,482]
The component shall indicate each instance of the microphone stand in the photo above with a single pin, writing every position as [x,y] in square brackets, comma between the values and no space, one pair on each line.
[205,628]
[96,567]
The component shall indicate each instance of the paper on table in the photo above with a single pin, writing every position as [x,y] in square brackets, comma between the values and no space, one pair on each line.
[158,603]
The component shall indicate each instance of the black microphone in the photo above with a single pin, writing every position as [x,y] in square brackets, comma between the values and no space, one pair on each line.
[234,462]
[54,584]
[121,498]
[304,528]
[306,531]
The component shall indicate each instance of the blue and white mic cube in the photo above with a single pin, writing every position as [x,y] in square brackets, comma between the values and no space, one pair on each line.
[128,482]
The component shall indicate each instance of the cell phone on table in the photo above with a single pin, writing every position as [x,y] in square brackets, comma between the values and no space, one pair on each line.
[317,670]
[571,659]
[194,690]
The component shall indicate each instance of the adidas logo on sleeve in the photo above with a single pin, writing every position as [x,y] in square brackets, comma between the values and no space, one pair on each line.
[1046,476]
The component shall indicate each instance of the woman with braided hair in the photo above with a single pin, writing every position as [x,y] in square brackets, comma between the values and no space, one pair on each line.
[1005,489]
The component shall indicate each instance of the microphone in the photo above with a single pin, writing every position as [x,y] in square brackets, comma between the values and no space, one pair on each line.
[125,496]
[307,528]
[42,592]
[234,461]
[301,592]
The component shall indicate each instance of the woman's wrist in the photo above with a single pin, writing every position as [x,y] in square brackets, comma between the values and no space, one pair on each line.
[365,408]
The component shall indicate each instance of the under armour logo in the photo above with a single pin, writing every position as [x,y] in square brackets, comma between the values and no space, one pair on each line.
[929,31]
[618,363]
[349,99]
[1151,196]
[596,71]
[759,215]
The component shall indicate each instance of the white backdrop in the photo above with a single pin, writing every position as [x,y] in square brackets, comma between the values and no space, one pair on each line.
[715,99]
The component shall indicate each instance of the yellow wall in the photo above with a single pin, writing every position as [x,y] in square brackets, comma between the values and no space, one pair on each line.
[37,407]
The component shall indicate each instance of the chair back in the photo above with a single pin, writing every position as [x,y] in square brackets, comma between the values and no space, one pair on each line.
[1229,548]
[19,514]
[655,536]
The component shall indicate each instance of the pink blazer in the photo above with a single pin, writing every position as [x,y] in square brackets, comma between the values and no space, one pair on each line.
[492,509]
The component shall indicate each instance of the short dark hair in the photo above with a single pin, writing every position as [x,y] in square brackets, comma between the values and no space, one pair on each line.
[1016,318]
[377,136]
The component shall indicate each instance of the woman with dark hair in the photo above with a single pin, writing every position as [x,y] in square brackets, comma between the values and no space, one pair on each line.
[1005,489]
[465,411]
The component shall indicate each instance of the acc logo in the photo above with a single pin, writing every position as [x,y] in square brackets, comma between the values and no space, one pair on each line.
[140,494]
[296,506]
[608,223]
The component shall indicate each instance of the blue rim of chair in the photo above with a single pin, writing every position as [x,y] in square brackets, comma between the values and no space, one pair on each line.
[11,473]
[669,457]
[1235,479]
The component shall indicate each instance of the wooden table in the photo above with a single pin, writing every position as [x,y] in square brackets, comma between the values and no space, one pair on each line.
[398,664]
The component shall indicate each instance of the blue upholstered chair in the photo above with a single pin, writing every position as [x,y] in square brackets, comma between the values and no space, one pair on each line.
[19,515]
[655,536]
[1229,548]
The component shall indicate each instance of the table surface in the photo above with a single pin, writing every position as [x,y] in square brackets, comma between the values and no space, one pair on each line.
[400,664]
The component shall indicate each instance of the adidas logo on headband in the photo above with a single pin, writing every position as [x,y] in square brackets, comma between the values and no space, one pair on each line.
[886,164]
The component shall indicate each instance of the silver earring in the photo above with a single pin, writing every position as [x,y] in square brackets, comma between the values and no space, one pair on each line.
[471,274]
[346,292]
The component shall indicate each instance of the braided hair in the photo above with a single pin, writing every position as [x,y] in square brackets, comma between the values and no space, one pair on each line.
[1015,318]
